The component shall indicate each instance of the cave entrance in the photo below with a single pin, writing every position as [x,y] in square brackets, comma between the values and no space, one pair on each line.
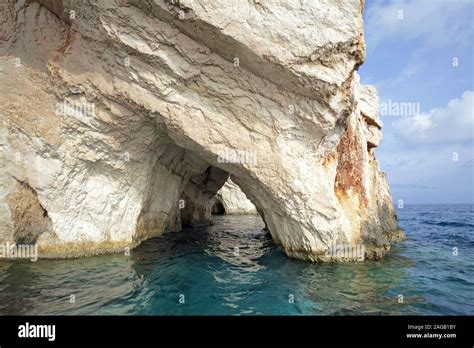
[219,216]
[217,207]
[29,217]
[212,192]
[186,191]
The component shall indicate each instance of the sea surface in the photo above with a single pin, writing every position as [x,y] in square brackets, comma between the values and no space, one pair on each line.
[233,268]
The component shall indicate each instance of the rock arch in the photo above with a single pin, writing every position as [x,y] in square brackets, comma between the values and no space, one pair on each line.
[119,113]
[231,200]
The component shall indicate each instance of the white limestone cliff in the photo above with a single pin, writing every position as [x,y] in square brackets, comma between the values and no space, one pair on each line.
[122,119]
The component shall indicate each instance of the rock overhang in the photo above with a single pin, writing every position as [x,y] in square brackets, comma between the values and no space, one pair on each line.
[170,93]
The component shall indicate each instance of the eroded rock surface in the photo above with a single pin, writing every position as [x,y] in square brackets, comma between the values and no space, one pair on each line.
[124,118]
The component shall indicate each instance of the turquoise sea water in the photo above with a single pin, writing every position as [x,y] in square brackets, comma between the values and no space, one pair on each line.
[199,271]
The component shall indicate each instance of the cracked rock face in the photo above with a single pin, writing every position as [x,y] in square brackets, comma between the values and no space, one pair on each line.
[122,119]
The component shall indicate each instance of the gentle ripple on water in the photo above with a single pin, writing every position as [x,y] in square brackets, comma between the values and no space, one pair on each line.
[233,268]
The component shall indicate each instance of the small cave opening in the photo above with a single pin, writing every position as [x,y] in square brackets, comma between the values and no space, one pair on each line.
[217,208]
[29,217]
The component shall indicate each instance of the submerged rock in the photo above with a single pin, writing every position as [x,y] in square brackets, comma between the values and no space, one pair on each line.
[123,119]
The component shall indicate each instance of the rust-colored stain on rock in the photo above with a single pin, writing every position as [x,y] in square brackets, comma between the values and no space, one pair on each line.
[349,167]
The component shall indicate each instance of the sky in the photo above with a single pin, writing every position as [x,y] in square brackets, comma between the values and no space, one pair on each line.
[420,57]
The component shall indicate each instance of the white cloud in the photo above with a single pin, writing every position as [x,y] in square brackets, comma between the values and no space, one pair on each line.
[454,123]
[437,23]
